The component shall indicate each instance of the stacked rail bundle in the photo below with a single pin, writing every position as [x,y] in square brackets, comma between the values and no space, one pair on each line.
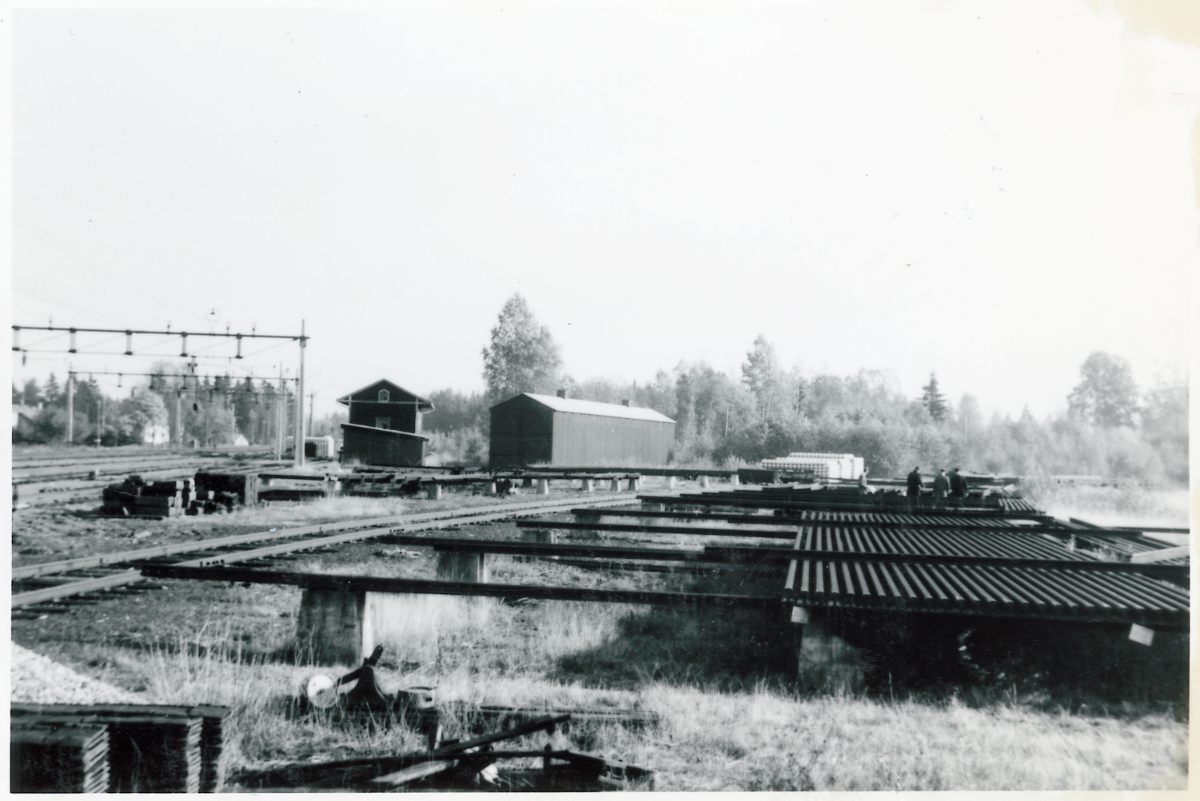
[1042,572]
[818,465]
[133,496]
[227,488]
[57,759]
[795,498]
[948,564]
[301,487]
[151,748]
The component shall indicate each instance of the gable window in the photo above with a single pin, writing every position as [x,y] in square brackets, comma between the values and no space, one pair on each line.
[384,396]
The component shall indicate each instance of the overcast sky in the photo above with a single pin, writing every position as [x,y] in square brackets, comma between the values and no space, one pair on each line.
[989,190]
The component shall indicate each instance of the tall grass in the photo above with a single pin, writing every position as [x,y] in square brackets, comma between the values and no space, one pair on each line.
[756,734]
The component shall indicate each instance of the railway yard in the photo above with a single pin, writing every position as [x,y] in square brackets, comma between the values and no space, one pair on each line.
[665,629]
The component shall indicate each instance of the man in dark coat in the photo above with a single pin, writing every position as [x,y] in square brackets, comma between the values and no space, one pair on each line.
[941,488]
[914,489]
[958,488]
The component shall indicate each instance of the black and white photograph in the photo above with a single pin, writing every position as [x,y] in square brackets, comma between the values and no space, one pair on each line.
[601,396]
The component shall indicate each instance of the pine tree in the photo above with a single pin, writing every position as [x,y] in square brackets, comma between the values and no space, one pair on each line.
[932,399]
[51,392]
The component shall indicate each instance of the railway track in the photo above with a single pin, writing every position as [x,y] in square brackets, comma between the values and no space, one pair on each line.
[127,469]
[104,455]
[52,587]
[38,491]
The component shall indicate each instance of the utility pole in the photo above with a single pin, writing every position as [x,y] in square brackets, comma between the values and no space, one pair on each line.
[70,407]
[178,418]
[279,418]
[298,450]
[310,414]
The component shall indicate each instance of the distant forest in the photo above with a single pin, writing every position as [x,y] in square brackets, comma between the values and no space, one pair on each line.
[1110,430]
[1111,427]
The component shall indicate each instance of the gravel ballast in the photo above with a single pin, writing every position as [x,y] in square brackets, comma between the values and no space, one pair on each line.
[39,680]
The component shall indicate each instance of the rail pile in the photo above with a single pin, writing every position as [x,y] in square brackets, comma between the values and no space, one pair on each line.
[840,497]
[117,748]
[461,765]
[1008,562]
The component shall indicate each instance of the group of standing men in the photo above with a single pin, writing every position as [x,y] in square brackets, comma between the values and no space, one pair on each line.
[953,486]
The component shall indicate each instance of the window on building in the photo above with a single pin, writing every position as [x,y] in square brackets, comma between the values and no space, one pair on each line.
[383,422]
[384,396]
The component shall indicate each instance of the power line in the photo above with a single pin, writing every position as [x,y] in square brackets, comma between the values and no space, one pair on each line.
[196,376]
[129,334]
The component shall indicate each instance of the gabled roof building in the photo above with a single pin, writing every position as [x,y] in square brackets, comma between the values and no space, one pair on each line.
[531,429]
[385,426]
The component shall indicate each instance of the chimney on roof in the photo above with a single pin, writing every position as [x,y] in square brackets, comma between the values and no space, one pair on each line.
[625,402]
[562,393]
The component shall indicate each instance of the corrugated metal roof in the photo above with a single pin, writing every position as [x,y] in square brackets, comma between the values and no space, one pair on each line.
[576,406]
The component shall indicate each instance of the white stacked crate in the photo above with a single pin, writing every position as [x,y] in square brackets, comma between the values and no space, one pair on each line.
[820,465]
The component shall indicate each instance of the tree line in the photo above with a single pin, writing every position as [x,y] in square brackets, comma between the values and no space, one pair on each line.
[1110,427]
[215,410]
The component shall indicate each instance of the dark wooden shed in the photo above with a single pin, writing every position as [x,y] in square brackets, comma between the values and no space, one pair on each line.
[543,429]
[385,426]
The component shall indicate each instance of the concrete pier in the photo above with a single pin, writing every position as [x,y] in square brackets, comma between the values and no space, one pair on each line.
[433,492]
[467,567]
[824,661]
[332,628]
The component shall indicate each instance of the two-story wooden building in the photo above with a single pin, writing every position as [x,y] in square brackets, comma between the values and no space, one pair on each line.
[385,426]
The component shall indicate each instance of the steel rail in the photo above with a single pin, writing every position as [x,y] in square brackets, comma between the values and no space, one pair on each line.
[757,499]
[518,548]
[1061,592]
[1156,570]
[646,471]
[152,453]
[333,581]
[158,551]
[570,525]
[124,470]
[377,527]
[79,587]
[728,554]
[873,518]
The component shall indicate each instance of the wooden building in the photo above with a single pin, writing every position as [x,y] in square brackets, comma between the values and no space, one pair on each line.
[533,429]
[385,426]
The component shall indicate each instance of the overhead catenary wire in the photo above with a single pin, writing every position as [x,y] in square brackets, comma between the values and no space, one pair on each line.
[236,336]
